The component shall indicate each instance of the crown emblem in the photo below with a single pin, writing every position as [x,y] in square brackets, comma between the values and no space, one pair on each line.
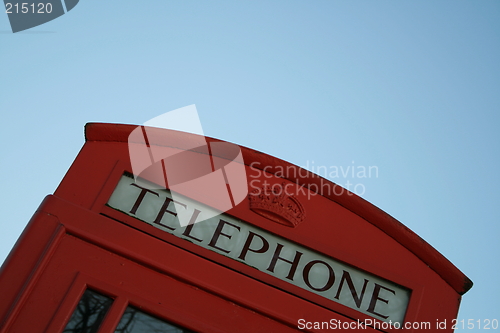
[275,204]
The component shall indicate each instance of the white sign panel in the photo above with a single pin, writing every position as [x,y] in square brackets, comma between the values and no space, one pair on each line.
[285,260]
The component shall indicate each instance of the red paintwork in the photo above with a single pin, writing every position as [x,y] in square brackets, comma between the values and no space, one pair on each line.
[74,240]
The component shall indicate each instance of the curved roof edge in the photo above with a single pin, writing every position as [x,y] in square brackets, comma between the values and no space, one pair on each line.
[106,132]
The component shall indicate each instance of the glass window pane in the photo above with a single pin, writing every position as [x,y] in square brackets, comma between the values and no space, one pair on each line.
[89,313]
[136,321]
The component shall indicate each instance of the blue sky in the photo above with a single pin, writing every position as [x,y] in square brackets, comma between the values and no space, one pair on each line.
[412,88]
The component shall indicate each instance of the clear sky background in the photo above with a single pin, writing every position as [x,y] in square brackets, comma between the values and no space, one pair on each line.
[411,87]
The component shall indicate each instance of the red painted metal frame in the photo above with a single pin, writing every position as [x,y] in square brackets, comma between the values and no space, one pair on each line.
[53,258]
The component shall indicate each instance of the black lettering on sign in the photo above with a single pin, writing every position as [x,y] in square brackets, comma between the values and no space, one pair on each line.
[277,257]
[218,232]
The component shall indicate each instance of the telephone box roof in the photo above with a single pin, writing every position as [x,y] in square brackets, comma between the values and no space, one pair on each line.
[105,132]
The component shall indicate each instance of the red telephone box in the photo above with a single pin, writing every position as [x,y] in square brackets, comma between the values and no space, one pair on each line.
[108,252]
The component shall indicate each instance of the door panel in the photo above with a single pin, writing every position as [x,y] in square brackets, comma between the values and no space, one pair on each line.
[126,282]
